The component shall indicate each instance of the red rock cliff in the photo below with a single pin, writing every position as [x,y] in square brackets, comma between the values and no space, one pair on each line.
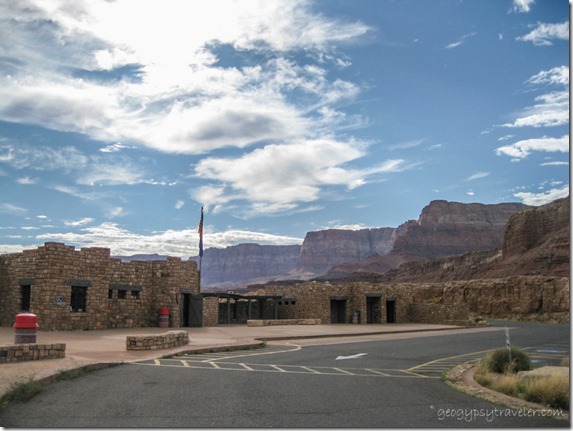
[321,250]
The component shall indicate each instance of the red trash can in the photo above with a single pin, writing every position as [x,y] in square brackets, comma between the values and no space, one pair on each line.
[25,328]
[164,317]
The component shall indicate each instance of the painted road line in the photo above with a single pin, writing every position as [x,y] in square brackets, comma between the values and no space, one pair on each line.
[459,359]
[343,371]
[415,374]
[377,372]
[289,369]
[310,369]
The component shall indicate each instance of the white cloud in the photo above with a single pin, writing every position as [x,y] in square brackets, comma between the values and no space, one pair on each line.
[28,181]
[114,148]
[460,41]
[177,99]
[41,158]
[544,33]
[477,176]
[115,212]
[236,121]
[81,222]
[406,145]
[8,208]
[179,204]
[522,149]
[15,248]
[555,164]
[104,170]
[556,76]
[279,177]
[522,5]
[78,193]
[110,173]
[543,198]
[553,108]
[181,243]
[506,138]
[552,111]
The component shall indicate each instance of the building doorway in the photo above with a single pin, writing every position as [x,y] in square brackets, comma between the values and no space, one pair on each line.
[373,309]
[25,291]
[391,311]
[192,310]
[338,311]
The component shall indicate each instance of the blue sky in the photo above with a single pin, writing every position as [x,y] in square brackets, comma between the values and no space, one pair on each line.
[120,119]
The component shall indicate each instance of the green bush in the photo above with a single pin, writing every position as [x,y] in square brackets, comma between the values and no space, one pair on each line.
[498,361]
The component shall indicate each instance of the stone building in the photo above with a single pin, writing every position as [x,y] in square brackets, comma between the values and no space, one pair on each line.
[367,302]
[87,289]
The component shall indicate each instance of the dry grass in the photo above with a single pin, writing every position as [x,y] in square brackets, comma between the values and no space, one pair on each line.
[550,391]
[565,361]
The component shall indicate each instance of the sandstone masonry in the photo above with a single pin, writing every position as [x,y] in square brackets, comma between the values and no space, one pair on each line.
[30,352]
[155,342]
[87,289]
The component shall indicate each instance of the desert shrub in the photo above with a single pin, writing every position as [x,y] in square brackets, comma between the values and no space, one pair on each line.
[498,361]
[551,391]
[483,376]
[507,384]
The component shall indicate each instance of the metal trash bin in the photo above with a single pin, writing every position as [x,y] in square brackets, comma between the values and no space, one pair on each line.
[164,317]
[25,328]
[355,317]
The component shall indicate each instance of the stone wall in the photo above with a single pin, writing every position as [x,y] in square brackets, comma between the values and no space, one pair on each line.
[336,302]
[157,341]
[117,294]
[267,322]
[440,303]
[31,352]
[210,311]
[445,314]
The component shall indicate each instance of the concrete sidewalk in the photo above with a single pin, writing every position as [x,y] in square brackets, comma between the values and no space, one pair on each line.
[105,347]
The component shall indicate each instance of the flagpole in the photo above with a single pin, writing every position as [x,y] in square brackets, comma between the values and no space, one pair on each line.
[200,247]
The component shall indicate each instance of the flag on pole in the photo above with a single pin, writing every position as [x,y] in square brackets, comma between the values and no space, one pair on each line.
[201,234]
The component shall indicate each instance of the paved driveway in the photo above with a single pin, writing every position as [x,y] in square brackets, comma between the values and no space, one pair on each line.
[381,382]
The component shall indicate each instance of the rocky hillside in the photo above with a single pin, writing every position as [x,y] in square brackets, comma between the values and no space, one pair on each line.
[535,242]
[321,250]
[443,229]
[245,262]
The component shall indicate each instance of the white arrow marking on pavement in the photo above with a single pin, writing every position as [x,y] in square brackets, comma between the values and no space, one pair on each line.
[358,355]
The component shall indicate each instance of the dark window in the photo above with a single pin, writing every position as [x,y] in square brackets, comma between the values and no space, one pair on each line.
[121,294]
[109,293]
[135,294]
[79,298]
[25,299]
